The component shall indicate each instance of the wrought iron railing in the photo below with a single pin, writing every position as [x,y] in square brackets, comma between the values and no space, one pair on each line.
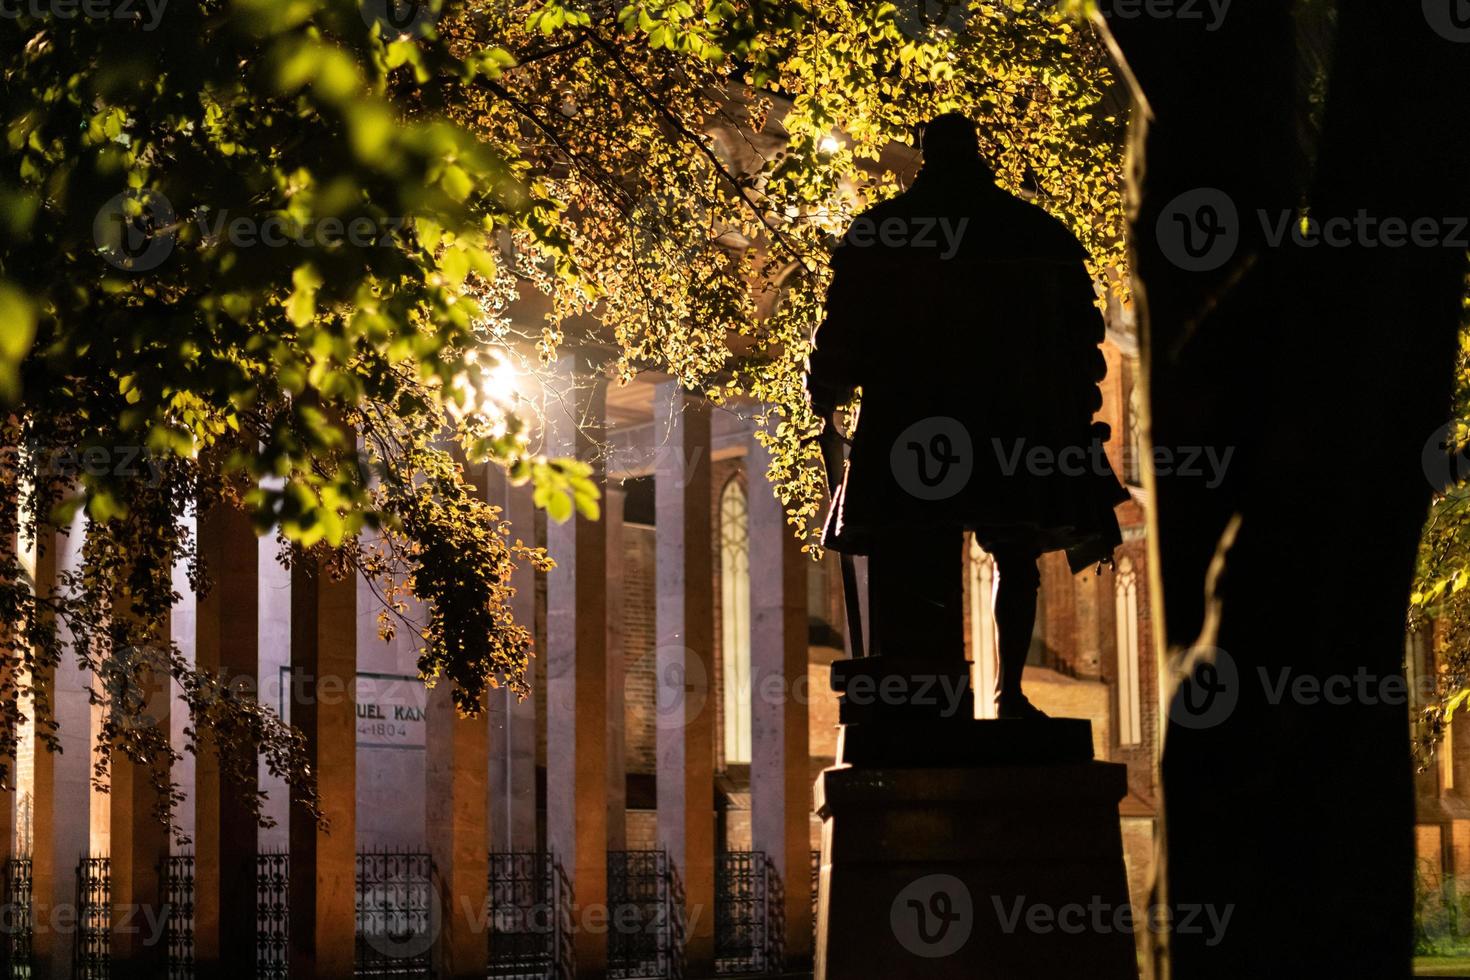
[272,915]
[740,912]
[644,938]
[678,934]
[395,909]
[91,954]
[816,891]
[750,914]
[19,885]
[396,912]
[530,917]
[92,951]
[178,886]
[775,920]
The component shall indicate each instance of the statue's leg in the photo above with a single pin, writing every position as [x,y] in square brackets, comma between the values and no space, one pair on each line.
[916,592]
[1015,615]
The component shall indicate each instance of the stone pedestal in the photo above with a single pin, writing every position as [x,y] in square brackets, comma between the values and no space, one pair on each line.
[1003,860]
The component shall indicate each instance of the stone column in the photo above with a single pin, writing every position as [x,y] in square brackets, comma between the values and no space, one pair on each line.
[457,818]
[512,784]
[617,760]
[62,795]
[684,621]
[576,668]
[226,833]
[10,542]
[139,840]
[274,625]
[323,694]
[456,783]
[780,761]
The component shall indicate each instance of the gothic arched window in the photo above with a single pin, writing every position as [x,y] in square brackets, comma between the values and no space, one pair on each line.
[735,620]
[1134,449]
[1130,715]
[983,645]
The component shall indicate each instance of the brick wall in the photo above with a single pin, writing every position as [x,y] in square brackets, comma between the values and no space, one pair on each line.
[1142,773]
[639,642]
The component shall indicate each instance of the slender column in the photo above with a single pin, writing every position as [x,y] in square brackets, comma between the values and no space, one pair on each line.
[457,777]
[780,767]
[576,669]
[139,840]
[226,835]
[457,819]
[323,689]
[10,542]
[617,760]
[684,616]
[513,721]
[62,797]
[274,624]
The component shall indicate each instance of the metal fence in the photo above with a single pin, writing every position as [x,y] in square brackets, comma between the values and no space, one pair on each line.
[645,936]
[530,917]
[750,914]
[529,926]
[395,908]
[775,920]
[397,914]
[816,889]
[272,915]
[19,930]
[178,889]
[91,959]
[396,917]
[740,912]
[91,954]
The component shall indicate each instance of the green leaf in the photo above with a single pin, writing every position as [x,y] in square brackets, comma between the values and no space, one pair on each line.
[17,323]
[17,333]
[301,304]
[456,183]
[103,506]
[455,265]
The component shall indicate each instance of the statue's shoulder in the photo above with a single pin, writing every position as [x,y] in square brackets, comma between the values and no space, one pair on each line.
[1045,236]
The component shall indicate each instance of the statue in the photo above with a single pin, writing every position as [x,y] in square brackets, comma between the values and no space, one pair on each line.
[966,317]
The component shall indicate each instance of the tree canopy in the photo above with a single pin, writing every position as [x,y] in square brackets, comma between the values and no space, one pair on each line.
[266,255]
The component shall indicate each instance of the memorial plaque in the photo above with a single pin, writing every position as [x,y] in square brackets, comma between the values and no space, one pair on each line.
[392,712]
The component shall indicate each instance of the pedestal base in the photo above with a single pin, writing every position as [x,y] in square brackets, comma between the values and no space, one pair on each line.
[1006,872]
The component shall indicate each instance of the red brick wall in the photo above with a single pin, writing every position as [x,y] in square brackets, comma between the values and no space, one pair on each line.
[639,642]
[1140,758]
[640,631]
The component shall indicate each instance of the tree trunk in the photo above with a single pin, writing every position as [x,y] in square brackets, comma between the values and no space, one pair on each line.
[1288,801]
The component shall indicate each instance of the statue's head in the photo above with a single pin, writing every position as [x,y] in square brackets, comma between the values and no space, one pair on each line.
[951,144]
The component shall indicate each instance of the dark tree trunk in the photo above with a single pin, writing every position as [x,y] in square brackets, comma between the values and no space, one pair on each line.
[1326,369]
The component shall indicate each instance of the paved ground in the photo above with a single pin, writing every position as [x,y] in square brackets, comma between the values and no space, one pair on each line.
[1442,966]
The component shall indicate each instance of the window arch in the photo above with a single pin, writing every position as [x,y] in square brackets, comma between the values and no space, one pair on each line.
[735,619]
[1134,448]
[983,645]
[1125,596]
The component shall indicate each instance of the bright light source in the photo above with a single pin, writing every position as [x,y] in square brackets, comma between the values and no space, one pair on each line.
[829,144]
[492,390]
[500,384]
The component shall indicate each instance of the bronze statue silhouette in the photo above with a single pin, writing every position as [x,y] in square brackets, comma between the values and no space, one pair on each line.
[966,317]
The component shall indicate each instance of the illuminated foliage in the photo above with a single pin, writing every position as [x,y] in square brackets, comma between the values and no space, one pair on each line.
[276,244]
[704,157]
[1440,600]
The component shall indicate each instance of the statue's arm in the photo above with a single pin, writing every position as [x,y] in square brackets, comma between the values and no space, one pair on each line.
[833,365]
[1083,331]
